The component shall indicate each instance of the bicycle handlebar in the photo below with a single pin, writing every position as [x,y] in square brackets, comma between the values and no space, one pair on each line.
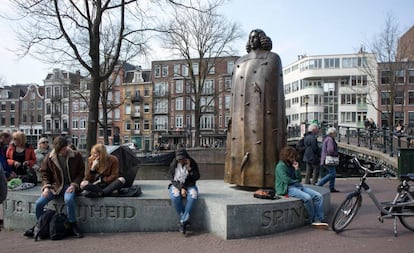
[385,170]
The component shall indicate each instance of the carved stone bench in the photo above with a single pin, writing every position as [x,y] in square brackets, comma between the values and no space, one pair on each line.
[222,209]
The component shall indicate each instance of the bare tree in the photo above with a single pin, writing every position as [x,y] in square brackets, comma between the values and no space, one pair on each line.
[82,33]
[385,72]
[200,36]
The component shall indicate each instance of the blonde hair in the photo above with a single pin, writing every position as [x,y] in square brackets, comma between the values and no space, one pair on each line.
[101,149]
[20,138]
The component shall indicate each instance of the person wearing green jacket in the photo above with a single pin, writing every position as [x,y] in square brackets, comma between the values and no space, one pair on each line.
[288,183]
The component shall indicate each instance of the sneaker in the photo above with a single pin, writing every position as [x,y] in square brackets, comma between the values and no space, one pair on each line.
[319,224]
[334,190]
[182,228]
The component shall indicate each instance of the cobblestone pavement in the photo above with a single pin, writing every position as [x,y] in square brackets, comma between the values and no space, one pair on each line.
[364,234]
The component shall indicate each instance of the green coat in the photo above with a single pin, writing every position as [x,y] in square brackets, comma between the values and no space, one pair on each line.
[282,178]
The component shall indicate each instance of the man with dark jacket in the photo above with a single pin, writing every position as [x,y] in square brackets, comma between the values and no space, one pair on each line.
[62,171]
[312,154]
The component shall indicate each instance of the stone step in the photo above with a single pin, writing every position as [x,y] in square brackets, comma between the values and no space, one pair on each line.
[222,209]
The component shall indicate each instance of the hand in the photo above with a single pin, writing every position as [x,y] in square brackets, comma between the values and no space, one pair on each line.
[295,165]
[17,164]
[70,189]
[187,164]
[94,164]
[45,192]
[25,163]
[183,193]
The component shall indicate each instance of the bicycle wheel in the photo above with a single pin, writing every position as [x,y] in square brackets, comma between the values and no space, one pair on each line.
[346,212]
[407,221]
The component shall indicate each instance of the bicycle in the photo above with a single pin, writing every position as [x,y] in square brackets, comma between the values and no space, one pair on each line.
[402,207]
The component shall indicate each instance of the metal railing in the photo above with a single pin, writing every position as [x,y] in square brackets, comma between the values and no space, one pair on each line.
[384,140]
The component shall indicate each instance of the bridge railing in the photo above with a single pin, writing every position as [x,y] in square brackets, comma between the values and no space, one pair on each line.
[384,140]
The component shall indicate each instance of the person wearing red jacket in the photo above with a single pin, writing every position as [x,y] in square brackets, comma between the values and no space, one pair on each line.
[20,155]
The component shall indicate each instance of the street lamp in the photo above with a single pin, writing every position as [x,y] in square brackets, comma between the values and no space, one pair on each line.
[306,101]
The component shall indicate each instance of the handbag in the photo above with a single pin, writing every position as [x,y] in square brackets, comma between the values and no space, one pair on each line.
[331,160]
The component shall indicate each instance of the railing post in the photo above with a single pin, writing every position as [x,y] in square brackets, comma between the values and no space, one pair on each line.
[399,141]
[370,138]
[347,135]
[391,144]
[358,135]
[384,137]
[339,133]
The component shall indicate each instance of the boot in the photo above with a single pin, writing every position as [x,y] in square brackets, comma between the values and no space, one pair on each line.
[93,191]
[29,232]
[115,185]
[75,230]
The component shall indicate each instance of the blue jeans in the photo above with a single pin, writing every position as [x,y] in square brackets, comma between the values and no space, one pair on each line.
[312,200]
[183,210]
[329,177]
[69,199]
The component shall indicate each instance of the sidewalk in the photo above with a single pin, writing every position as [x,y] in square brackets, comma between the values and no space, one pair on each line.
[365,233]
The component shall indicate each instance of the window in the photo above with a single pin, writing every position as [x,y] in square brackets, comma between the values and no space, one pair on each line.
[176,70]
[48,92]
[164,71]
[117,113]
[146,92]
[227,101]
[179,86]
[385,76]
[195,68]
[207,122]
[184,70]
[160,89]
[179,104]
[3,106]
[65,92]
[66,108]
[82,123]
[230,66]
[146,124]
[146,108]
[157,71]
[127,108]
[127,125]
[179,120]
[227,83]
[160,123]
[211,68]
[385,98]
[208,88]
[411,97]
[331,63]
[160,106]
[399,76]
[411,76]
[75,121]
[399,98]
[136,125]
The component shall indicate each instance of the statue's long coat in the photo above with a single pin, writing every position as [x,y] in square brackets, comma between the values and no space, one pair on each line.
[257,130]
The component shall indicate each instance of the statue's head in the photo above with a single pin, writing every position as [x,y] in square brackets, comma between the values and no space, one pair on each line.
[258,39]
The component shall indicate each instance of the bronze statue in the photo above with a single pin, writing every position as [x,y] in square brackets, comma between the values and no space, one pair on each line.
[257,129]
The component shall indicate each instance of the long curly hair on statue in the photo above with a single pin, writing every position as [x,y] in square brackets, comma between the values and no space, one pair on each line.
[265,42]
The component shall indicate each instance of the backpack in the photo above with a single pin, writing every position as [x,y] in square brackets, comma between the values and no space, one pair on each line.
[265,194]
[300,146]
[41,229]
[58,226]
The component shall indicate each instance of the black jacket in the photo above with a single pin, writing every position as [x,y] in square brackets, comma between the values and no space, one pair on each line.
[192,177]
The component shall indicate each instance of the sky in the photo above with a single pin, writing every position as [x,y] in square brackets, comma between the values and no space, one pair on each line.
[296,27]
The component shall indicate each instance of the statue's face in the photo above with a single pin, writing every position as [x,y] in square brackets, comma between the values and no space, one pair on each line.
[254,40]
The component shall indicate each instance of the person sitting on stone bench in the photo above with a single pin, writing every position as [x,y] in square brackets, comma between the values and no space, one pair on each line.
[102,175]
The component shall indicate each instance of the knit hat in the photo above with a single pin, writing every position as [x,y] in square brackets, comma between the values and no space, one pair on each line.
[180,154]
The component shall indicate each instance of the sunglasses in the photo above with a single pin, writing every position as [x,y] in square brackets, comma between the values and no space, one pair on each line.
[46,142]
